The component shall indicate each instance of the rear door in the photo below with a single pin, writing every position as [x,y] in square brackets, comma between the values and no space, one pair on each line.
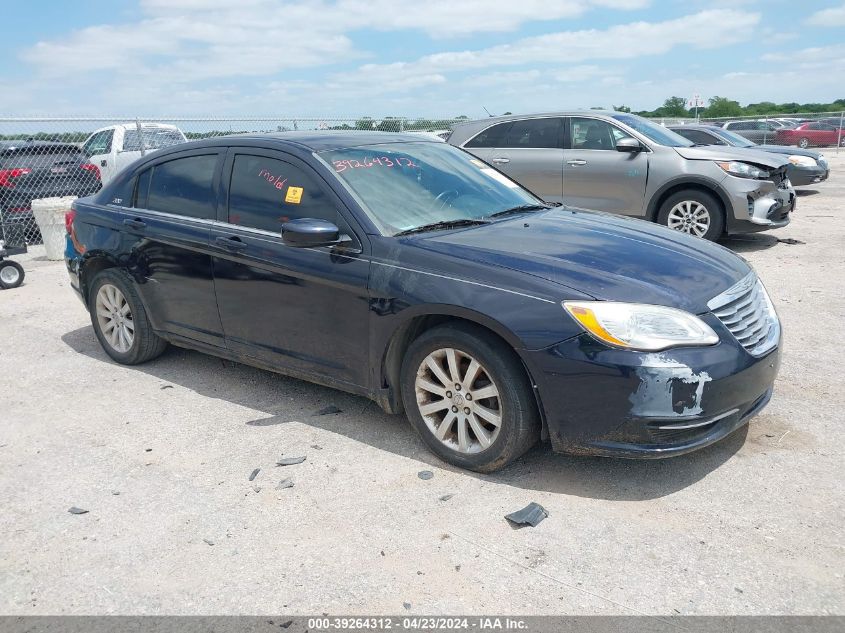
[595,175]
[532,154]
[175,203]
[305,309]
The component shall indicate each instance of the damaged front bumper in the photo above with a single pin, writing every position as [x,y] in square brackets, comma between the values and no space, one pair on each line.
[759,205]
[602,401]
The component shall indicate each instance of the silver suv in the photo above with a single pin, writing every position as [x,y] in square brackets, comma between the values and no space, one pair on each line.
[625,164]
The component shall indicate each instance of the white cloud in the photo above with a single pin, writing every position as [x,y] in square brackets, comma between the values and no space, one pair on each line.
[834,16]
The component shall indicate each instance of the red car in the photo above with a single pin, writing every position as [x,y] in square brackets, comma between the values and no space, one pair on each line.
[808,134]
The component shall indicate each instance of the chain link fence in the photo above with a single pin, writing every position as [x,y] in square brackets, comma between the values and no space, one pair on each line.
[53,157]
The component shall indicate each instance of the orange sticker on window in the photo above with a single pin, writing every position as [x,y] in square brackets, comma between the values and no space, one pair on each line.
[294,195]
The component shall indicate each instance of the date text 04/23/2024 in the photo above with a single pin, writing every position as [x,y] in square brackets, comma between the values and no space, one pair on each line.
[425,623]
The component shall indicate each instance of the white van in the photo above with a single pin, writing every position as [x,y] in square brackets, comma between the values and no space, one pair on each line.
[113,148]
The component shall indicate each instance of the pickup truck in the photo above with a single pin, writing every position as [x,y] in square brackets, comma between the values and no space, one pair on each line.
[114,147]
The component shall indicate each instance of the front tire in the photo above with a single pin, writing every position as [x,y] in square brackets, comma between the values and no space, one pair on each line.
[11,274]
[693,212]
[804,143]
[468,397]
[120,321]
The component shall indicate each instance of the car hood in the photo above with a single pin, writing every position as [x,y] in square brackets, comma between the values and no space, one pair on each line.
[789,150]
[605,256]
[719,152]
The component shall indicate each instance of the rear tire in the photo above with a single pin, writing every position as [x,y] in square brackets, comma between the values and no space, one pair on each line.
[693,212]
[11,274]
[120,321]
[469,398]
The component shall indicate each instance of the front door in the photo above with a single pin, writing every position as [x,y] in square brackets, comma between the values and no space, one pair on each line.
[98,150]
[304,309]
[596,176]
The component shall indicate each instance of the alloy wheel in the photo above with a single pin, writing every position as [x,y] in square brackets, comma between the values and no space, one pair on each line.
[458,400]
[690,217]
[114,317]
[9,275]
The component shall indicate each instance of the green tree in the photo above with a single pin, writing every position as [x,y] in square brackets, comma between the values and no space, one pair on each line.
[621,108]
[722,107]
[674,107]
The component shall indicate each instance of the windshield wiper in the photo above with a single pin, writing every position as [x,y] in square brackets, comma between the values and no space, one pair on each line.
[523,208]
[443,224]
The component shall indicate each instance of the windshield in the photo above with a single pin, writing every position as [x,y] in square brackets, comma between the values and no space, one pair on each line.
[735,139]
[653,131]
[404,186]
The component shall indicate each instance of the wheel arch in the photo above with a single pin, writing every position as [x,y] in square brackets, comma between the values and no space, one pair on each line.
[697,184]
[93,264]
[422,321]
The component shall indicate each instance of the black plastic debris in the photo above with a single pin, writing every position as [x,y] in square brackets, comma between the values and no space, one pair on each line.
[290,461]
[166,387]
[75,510]
[425,475]
[329,410]
[789,240]
[254,474]
[447,497]
[115,492]
[285,483]
[531,515]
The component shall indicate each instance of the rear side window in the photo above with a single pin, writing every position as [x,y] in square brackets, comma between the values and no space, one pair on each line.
[153,139]
[266,192]
[491,137]
[534,133]
[184,186]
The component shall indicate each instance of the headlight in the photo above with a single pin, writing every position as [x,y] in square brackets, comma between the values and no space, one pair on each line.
[743,170]
[802,161]
[640,326]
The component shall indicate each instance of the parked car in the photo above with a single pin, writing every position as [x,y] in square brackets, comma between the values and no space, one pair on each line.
[622,163]
[410,272]
[114,147]
[30,170]
[808,134]
[757,131]
[806,167]
[835,122]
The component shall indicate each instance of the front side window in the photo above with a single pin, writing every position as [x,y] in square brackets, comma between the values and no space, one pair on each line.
[184,186]
[99,143]
[534,133]
[493,136]
[403,186]
[266,192]
[591,134]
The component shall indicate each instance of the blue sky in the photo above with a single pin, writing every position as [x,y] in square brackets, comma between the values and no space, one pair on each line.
[433,58]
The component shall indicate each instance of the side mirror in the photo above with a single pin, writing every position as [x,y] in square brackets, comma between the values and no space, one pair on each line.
[628,144]
[309,233]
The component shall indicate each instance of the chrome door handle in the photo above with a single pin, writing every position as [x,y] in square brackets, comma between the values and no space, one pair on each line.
[500,161]
[577,161]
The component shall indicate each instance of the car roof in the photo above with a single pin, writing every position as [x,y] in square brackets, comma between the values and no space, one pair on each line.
[22,144]
[315,141]
[535,115]
[695,126]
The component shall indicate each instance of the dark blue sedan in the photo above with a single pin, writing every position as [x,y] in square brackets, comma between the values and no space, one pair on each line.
[414,274]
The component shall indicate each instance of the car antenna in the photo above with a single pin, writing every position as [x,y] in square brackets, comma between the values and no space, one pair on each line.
[487,111]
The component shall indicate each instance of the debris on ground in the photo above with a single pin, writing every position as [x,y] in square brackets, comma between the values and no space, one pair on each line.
[789,240]
[75,510]
[254,474]
[329,410]
[207,542]
[115,492]
[257,488]
[290,461]
[267,421]
[447,497]
[166,387]
[425,475]
[316,447]
[531,515]
[285,483]
[407,605]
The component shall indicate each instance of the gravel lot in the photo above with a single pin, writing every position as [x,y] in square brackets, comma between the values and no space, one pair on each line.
[160,455]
